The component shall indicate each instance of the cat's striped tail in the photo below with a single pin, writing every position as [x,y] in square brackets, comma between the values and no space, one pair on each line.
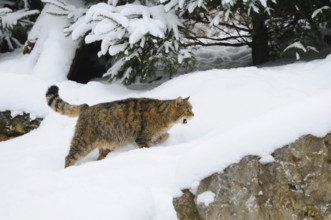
[60,106]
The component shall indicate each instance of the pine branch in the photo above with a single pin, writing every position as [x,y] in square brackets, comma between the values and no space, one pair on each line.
[218,39]
[57,13]
[199,43]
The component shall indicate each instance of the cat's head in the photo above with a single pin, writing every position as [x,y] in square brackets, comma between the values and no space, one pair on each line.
[183,109]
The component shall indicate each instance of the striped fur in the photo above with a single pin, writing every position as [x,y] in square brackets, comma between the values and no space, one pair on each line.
[107,126]
[60,106]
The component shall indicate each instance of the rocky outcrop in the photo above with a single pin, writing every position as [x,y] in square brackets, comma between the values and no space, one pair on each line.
[297,185]
[11,127]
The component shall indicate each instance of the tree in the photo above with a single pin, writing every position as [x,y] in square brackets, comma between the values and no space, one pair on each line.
[143,37]
[140,38]
[298,26]
[269,27]
[14,24]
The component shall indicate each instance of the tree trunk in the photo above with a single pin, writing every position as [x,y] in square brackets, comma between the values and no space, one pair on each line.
[260,38]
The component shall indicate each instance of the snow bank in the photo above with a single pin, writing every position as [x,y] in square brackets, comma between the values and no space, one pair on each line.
[22,93]
[237,112]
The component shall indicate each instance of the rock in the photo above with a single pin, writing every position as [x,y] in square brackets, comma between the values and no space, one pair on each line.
[297,185]
[11,127]
[185,206]
[28,46]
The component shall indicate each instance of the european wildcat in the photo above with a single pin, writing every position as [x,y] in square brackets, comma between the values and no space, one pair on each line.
[110,125]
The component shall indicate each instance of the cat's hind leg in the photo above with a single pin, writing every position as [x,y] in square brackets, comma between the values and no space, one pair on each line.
[103,153]
[78,150]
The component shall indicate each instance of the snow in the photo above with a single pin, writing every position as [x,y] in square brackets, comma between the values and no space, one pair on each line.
[264,3]
[215,57]
[146,25]
[206,198]
[267,159]
[53,52]
[238,112]
[297,45]
[319,11]
[102,19]
[10,19]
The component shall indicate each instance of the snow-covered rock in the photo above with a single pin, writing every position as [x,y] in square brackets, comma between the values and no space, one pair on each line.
[295,186]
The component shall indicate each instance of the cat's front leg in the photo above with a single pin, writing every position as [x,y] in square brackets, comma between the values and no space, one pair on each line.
[161,139]
[142,142]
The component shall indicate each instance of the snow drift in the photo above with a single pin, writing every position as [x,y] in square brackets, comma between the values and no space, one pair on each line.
[237,112]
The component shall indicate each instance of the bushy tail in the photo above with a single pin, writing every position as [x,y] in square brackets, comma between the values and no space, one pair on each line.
[59,105]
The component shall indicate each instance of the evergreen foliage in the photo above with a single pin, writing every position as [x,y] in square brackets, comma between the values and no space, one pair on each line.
[142,39]
[278,26]
[297,27]
[15,21]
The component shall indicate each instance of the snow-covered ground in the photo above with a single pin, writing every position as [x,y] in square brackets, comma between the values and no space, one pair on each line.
[237,112]
[217,57]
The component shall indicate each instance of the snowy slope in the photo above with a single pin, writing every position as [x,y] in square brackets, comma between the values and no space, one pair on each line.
[237,112]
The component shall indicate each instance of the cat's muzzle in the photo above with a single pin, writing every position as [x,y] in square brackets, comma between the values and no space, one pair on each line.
[184,121]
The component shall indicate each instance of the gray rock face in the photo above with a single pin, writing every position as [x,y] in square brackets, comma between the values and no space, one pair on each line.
[297,185]
[11,127]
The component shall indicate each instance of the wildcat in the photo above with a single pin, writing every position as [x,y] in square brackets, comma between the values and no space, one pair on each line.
[107,126]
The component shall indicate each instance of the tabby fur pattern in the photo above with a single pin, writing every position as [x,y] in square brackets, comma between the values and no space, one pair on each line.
[108,126]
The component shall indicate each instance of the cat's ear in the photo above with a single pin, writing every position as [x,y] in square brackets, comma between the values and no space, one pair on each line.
[178,101]
[186,99]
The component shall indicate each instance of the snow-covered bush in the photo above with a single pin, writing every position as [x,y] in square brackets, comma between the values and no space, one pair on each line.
[141,39]
[11,21]
[296,28]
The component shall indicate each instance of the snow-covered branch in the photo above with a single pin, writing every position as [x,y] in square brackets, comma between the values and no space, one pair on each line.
[8,18]
[319,11]
[133,22]
[298,46]
[63,9]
